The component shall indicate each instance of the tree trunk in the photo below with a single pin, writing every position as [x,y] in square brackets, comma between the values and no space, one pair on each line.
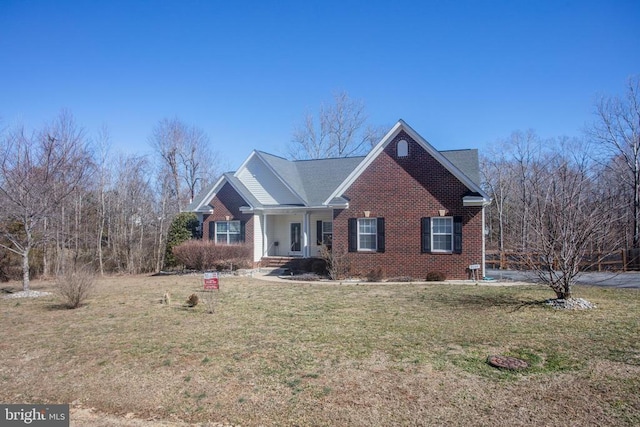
[25,270]
[45,251]
[563,294]
[101,222]
[636,208]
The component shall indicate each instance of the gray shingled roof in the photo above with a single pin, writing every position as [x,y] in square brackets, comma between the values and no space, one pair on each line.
[466,161]
[313,180]
[321,177]
[199,198]
[287,170]
[316,180]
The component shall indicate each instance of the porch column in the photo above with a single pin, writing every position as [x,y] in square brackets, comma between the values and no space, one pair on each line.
[265,239]
[306,251]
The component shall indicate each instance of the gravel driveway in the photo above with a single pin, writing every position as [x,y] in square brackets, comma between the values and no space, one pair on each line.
[629,279]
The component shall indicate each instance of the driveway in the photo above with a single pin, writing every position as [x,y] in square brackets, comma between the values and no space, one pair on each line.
[629,279]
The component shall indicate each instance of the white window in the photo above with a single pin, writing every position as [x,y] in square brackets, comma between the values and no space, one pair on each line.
[327,233]
[367,234]
[402,148]
[442,234]
[227,232]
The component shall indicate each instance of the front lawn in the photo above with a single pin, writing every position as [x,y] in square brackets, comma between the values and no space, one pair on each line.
[326,354]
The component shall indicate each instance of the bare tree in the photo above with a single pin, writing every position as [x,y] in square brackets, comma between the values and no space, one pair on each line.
[498,178]
[617,131]
[507,171]
[198,162]
[167,140]
[186,156]
[613,181]
[568,216]
[526,151]
[553,207]
[38,173]
[163,185]
[131,214]
[340,130]
[103,145]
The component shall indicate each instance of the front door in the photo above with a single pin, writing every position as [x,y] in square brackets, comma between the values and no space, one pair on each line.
[296,235]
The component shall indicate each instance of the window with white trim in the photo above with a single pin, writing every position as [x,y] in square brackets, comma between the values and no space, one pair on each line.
[367,234]
[327,233]
[228,232]
[442,234]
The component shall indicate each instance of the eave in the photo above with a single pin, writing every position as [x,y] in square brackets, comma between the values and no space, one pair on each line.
[287,209]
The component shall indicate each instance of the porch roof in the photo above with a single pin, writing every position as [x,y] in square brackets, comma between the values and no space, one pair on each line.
[313,180]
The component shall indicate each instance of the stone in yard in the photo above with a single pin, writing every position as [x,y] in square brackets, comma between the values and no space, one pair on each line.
[507,362]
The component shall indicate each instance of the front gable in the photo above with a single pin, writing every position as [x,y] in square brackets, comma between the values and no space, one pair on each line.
[265,184]
[420,159]
[203,204]
[417,179]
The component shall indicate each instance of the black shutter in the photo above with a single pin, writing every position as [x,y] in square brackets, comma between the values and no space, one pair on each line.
[212,231]
[457,234]
[353,234]
[380,231]
[318,233]
[425,232]
[242,230]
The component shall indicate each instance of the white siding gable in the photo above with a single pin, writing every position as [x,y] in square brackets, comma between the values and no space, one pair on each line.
[264,184]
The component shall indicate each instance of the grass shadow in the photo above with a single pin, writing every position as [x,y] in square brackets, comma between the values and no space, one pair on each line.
[186,309]
[480,302]
[61,306]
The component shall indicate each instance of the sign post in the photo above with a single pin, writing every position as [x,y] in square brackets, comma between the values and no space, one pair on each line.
[474,269]
[211,284]
[211,281]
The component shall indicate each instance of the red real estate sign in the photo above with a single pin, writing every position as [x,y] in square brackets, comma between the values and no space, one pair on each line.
[211,281]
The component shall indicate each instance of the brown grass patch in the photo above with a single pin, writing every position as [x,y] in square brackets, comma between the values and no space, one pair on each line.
[324,354]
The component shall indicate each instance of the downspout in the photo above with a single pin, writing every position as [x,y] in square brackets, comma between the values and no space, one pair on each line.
[484,273]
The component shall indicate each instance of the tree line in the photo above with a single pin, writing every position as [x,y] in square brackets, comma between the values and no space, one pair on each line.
[68,201]
[560,204]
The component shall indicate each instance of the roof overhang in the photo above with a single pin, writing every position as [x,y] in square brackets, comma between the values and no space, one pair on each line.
[206,209]
[283,210]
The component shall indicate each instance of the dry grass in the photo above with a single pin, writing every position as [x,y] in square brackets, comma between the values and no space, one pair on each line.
[324,354]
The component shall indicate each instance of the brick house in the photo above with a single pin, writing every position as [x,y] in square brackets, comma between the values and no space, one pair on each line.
[405,207]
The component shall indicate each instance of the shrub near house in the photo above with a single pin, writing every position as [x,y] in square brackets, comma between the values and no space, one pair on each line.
[205,255]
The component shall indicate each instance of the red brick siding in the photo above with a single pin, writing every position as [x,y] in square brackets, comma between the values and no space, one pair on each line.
[227,202]
[403,190]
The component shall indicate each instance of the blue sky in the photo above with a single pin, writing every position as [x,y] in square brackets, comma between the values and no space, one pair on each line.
[461,73]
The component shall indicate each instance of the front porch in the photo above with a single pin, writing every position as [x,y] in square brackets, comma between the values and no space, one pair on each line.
[289,235]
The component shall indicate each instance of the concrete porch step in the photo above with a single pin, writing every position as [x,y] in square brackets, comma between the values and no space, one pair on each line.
[277,261]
